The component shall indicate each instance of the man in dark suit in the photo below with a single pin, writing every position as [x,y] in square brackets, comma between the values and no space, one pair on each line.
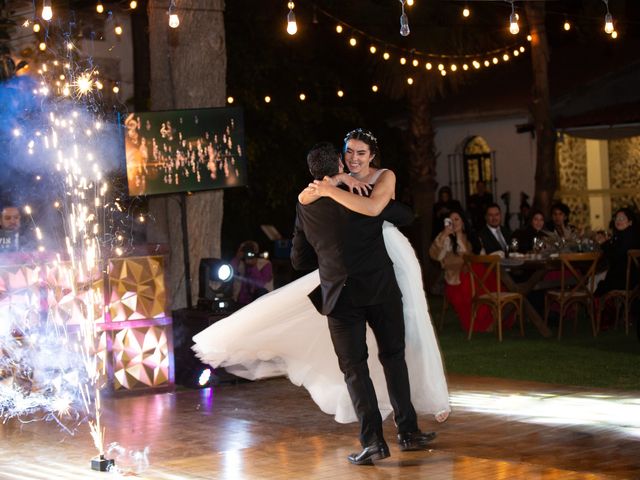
[493,237]
[358,287]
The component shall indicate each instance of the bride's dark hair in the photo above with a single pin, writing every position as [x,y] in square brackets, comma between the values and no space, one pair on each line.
[367,137]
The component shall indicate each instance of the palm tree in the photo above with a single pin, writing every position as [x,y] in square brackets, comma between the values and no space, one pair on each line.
[188,70]
[546,179]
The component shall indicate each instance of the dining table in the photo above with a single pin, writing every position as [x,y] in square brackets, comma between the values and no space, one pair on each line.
[523,273]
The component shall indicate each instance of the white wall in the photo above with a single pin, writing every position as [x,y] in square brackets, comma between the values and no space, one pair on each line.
[515,153]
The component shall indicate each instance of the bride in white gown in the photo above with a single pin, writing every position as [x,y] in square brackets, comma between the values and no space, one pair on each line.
[282,333]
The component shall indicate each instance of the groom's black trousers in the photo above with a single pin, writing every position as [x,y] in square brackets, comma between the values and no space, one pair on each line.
[347,324]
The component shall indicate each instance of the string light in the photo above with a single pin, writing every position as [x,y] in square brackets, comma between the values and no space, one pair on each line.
[428,66]
[410,81]
[374,88]
[514,28]
[386,55]
[339,28]
[466,12]
[42,46]
[36,27]
[403,61]
[409,3]
[372,49]
[99,7]
[174,21]
[267,99]
[415,62]
[404,22]
[118,30]
[353,42]
[529,37]
[116,89]
[230,100]
[567,25]
[47,11]
[292,26]
[608,19]
[133,4]
[302,97]
[614,34]
[340,93]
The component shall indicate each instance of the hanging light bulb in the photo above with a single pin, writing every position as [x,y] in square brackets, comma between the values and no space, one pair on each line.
[99,7]
[567,26]
[174,21]
[514,28]
[133,4]
[466,12]
[292,26]
[608,23]
[47,11]
[404,22]
[608,19]
[118,30]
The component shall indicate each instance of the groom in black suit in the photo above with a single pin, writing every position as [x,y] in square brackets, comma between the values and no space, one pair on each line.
[358,287]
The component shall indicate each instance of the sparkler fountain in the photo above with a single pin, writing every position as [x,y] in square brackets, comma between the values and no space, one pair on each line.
[49,366]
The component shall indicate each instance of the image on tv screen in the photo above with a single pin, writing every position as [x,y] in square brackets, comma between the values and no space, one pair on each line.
[185,150]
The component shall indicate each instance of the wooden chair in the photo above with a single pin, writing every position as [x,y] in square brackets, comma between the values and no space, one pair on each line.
[624,298]
[577,278]
[481,294]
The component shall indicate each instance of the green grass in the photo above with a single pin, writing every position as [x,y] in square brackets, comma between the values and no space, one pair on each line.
[612,360]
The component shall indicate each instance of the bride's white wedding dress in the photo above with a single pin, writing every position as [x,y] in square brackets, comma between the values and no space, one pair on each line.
[281,333]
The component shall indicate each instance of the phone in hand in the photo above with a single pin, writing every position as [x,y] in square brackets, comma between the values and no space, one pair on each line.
[448,222]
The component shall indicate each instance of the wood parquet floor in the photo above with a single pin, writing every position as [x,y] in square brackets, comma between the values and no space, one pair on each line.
[272,430]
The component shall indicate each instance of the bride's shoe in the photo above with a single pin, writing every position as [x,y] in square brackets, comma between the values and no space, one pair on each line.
[441,416]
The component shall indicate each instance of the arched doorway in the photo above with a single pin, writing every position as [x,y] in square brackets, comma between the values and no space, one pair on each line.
[477,165]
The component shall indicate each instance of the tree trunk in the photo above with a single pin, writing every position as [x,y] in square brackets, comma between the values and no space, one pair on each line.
[546,180]
[422,166]
[188,70]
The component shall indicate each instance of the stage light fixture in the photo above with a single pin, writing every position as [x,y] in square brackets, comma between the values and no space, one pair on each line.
[214,285]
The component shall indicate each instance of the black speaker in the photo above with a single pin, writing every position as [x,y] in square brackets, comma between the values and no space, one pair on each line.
[187,322]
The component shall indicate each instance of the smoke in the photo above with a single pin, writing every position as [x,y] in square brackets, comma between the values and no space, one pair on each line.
[57,157]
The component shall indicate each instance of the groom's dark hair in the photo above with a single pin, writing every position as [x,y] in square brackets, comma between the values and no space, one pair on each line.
[323,160]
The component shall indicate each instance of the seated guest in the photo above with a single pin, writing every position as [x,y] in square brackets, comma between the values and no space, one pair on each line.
[560,221]
[441,209]
[449,247]
[10,229]
[534,230]
[625,236]
[492,236]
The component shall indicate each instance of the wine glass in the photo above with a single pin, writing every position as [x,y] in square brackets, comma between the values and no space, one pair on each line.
[513,247]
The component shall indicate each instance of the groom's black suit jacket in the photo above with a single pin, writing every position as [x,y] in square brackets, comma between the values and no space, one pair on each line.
[348,248]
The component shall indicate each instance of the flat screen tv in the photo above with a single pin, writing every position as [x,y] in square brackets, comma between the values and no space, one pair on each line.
[185,150]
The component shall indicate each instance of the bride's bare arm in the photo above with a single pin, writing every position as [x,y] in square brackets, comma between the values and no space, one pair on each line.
[370,206]
[309,195]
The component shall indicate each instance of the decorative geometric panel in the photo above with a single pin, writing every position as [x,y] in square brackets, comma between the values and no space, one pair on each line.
[20,297]
[141,357]
[137,289]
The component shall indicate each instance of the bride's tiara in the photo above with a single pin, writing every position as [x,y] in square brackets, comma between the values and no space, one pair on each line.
[359,133]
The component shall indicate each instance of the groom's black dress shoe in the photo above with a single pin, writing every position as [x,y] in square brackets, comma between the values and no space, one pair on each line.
[375,451]
[415,440]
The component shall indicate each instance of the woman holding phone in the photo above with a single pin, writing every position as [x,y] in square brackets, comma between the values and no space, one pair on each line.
[449,247]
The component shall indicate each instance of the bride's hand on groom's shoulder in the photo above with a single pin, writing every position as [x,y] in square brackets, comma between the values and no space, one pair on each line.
[355,186]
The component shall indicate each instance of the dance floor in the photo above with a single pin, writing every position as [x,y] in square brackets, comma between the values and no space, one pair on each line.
[272,430]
